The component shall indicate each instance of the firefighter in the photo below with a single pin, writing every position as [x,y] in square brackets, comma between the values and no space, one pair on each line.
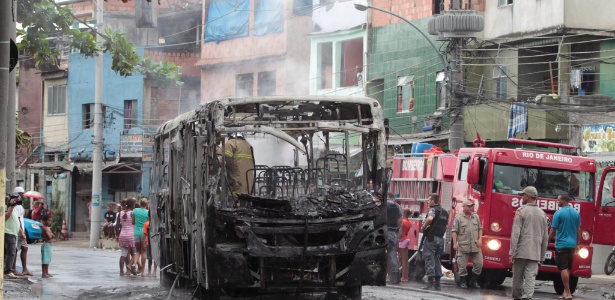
[528,244]
[239,159]
[466,233]
[434,228]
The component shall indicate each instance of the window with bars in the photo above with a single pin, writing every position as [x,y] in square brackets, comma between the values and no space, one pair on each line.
[88,115]
[266,83]
[405,93]
[505,2]
[130,114]
[500,81]
[244,85]
[56,100]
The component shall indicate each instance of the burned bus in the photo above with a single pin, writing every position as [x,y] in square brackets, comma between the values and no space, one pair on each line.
[304,220]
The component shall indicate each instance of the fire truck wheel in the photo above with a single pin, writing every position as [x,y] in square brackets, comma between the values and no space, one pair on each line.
[558,285]
[491,279]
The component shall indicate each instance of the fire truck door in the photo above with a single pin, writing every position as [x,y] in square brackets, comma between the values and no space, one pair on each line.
[605,209]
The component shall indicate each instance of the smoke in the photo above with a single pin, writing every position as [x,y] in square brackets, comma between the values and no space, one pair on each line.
[271,151]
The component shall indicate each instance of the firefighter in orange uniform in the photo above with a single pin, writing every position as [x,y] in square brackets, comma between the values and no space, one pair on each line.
[238,154]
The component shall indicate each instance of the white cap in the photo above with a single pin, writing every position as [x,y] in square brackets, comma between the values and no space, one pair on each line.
[18,190]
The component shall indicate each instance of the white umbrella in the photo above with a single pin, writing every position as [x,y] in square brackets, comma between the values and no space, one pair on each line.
[34,195]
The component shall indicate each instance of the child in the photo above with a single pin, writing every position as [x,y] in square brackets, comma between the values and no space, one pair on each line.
[149,251]
[46,246]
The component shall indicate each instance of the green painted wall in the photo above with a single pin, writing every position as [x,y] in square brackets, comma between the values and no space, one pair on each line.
[607,70]
[400,50]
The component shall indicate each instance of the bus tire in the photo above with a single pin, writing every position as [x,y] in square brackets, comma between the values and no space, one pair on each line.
[558,285]
[351,292]
[166,279]
[417,270]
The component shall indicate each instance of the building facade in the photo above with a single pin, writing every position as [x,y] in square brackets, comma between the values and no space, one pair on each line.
[260,49]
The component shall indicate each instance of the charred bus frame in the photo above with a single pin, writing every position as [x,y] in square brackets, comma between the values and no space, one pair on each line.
[306,228]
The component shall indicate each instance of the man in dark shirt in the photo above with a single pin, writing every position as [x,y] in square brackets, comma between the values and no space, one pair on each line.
[394,218]
[108,228]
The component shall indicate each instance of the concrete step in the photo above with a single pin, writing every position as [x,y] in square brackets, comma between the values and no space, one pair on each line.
[80,235]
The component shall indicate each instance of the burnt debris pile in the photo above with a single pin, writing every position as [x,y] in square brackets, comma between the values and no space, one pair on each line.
[325,201]
[330,201]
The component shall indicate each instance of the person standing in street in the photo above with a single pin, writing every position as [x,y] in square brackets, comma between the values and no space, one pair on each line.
[528,244]
[434,229]
[46,246]
[12,230]
[467,235]
[566,228]
[393,224]
[22,244]
[127,238]
[404,242]
[140,216]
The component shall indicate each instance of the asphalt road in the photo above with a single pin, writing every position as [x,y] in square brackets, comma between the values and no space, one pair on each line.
[85,273]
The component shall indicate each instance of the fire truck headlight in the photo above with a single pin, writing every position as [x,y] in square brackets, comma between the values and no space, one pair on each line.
[583,253]
[495,227]
[494,245]
[585,235]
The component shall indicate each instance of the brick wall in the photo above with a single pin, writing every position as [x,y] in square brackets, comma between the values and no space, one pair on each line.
[186,60]
[413,9]
[117,5]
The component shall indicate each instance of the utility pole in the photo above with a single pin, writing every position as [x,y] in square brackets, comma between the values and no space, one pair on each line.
[456,138]
[98,131]
[6,18]
[10,113]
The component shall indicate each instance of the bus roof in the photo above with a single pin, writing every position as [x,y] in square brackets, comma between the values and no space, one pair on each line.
[281,109]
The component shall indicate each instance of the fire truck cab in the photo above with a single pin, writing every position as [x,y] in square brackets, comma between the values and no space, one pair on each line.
[492,178]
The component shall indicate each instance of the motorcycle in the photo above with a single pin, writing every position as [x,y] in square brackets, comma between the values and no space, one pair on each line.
[609,265]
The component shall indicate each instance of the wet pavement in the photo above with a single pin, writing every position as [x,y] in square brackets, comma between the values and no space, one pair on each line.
[599,287]
[81,272]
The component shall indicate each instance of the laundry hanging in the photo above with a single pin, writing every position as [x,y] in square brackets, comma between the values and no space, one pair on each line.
[517,120]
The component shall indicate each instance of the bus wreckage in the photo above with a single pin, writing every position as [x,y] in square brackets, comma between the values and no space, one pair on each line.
[304,222]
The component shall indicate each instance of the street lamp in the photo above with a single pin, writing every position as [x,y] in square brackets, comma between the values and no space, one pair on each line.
[363,5]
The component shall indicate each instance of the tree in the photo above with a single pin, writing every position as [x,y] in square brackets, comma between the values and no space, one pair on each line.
[44,19]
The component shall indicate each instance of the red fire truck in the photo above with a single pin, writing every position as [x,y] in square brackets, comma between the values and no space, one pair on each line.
[492,177]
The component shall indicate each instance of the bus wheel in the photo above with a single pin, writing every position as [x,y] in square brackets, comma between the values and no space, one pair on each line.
[351,292]
[558,285]
[417,270]
[166,279]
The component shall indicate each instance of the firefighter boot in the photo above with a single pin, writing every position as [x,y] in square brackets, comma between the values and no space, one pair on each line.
[436,286]
[473,283]
[463,282]
[429,285]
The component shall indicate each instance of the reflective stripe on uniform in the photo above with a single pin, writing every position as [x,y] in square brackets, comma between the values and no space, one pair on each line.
[237,155]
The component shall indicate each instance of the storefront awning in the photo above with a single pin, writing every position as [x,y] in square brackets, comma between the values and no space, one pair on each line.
[87,167]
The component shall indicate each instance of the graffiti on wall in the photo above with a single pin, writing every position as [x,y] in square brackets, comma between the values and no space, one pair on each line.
[598,138]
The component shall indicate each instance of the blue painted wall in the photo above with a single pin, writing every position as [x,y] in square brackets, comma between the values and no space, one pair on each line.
[116,89]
